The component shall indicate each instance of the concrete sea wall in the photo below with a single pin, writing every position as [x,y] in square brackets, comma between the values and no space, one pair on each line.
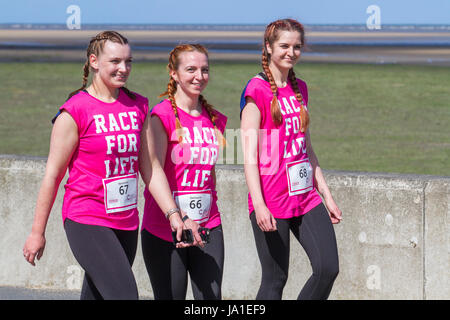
[393,241]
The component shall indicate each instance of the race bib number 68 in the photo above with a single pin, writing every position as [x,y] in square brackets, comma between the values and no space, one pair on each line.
[300,177]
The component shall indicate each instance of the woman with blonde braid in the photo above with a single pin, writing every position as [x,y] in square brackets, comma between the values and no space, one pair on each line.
[188,135]
[282,171]
[103,137]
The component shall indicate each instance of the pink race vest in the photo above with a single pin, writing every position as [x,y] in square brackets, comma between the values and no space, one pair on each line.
[104,169]
[286,174]
[188,167]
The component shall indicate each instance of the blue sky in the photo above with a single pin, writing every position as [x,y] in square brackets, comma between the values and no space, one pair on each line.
[226,11]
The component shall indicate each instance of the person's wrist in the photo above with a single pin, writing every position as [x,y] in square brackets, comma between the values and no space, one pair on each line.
[37,232]
[327,196]
[259,205]
[171,212]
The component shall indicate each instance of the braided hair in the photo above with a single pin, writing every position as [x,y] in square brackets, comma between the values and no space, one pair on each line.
[174,60]
[95,47]
[271,34]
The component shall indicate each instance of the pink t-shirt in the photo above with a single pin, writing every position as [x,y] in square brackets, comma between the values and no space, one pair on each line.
[287,182]
[104,169]
[189,167]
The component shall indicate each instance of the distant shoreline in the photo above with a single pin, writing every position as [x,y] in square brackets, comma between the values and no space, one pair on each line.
[80,37]
[427,48]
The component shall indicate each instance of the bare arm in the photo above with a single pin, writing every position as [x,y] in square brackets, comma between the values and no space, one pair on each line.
[150,168]
[63,141]
[151,158]
[250,122]
[322,187]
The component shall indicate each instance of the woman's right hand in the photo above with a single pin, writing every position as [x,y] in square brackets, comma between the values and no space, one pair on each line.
[177,224]
[34,247]
[250,125]
[265,219]
[63,142]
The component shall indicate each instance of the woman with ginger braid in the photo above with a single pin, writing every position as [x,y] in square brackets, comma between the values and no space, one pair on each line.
[282,171]
[188,135]
[103,136]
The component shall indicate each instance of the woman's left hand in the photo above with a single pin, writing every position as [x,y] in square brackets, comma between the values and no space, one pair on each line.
[191,224]
[333,210]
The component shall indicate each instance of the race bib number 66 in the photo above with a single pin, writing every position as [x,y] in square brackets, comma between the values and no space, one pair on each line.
[197,204]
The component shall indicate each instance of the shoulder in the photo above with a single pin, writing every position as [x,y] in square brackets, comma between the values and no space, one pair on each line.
[257,84]
[76,104]
[164,112]
[163,108]
[140,98]
[301,84]
[221,119]
[259,90]
[219,114]
[77,99]
[303,89]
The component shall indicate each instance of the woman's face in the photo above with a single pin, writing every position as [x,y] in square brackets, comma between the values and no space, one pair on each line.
[192,75]
[113,65]
[285,51]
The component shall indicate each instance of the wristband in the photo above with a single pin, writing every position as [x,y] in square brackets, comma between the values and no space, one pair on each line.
[171,212]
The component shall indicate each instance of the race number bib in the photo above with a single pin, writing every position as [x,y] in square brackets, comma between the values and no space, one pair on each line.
[299,176]
[120,193]
[196,204]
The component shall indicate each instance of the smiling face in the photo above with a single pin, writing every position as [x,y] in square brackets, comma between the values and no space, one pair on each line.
[113,65]
[286,50]
[192,74]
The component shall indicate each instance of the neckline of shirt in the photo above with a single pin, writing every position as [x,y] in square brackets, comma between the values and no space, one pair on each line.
[190,115]
[103,102]
[287,86]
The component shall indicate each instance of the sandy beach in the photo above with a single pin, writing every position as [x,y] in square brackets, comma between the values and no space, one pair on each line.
[153,45]
[149,35]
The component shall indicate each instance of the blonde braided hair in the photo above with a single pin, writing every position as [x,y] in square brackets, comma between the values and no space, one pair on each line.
[95,47]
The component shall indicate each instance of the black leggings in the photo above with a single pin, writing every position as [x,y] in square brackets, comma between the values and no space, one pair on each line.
[168,267]
[315,233]
[106,255]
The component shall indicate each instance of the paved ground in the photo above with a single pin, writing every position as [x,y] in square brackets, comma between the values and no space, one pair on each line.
[16,293]
[13,293]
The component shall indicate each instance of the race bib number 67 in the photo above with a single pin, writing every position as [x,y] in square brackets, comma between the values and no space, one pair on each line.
[300,177]
[120,193]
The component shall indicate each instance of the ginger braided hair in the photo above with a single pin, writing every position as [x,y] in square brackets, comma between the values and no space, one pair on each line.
[271,35]
[96,46]
[174,61]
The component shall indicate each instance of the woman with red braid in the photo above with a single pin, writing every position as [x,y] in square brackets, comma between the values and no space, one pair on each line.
[102,135]
[188,136]
[282,171]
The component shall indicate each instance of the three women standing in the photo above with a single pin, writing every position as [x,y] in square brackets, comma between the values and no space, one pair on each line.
[104,136]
